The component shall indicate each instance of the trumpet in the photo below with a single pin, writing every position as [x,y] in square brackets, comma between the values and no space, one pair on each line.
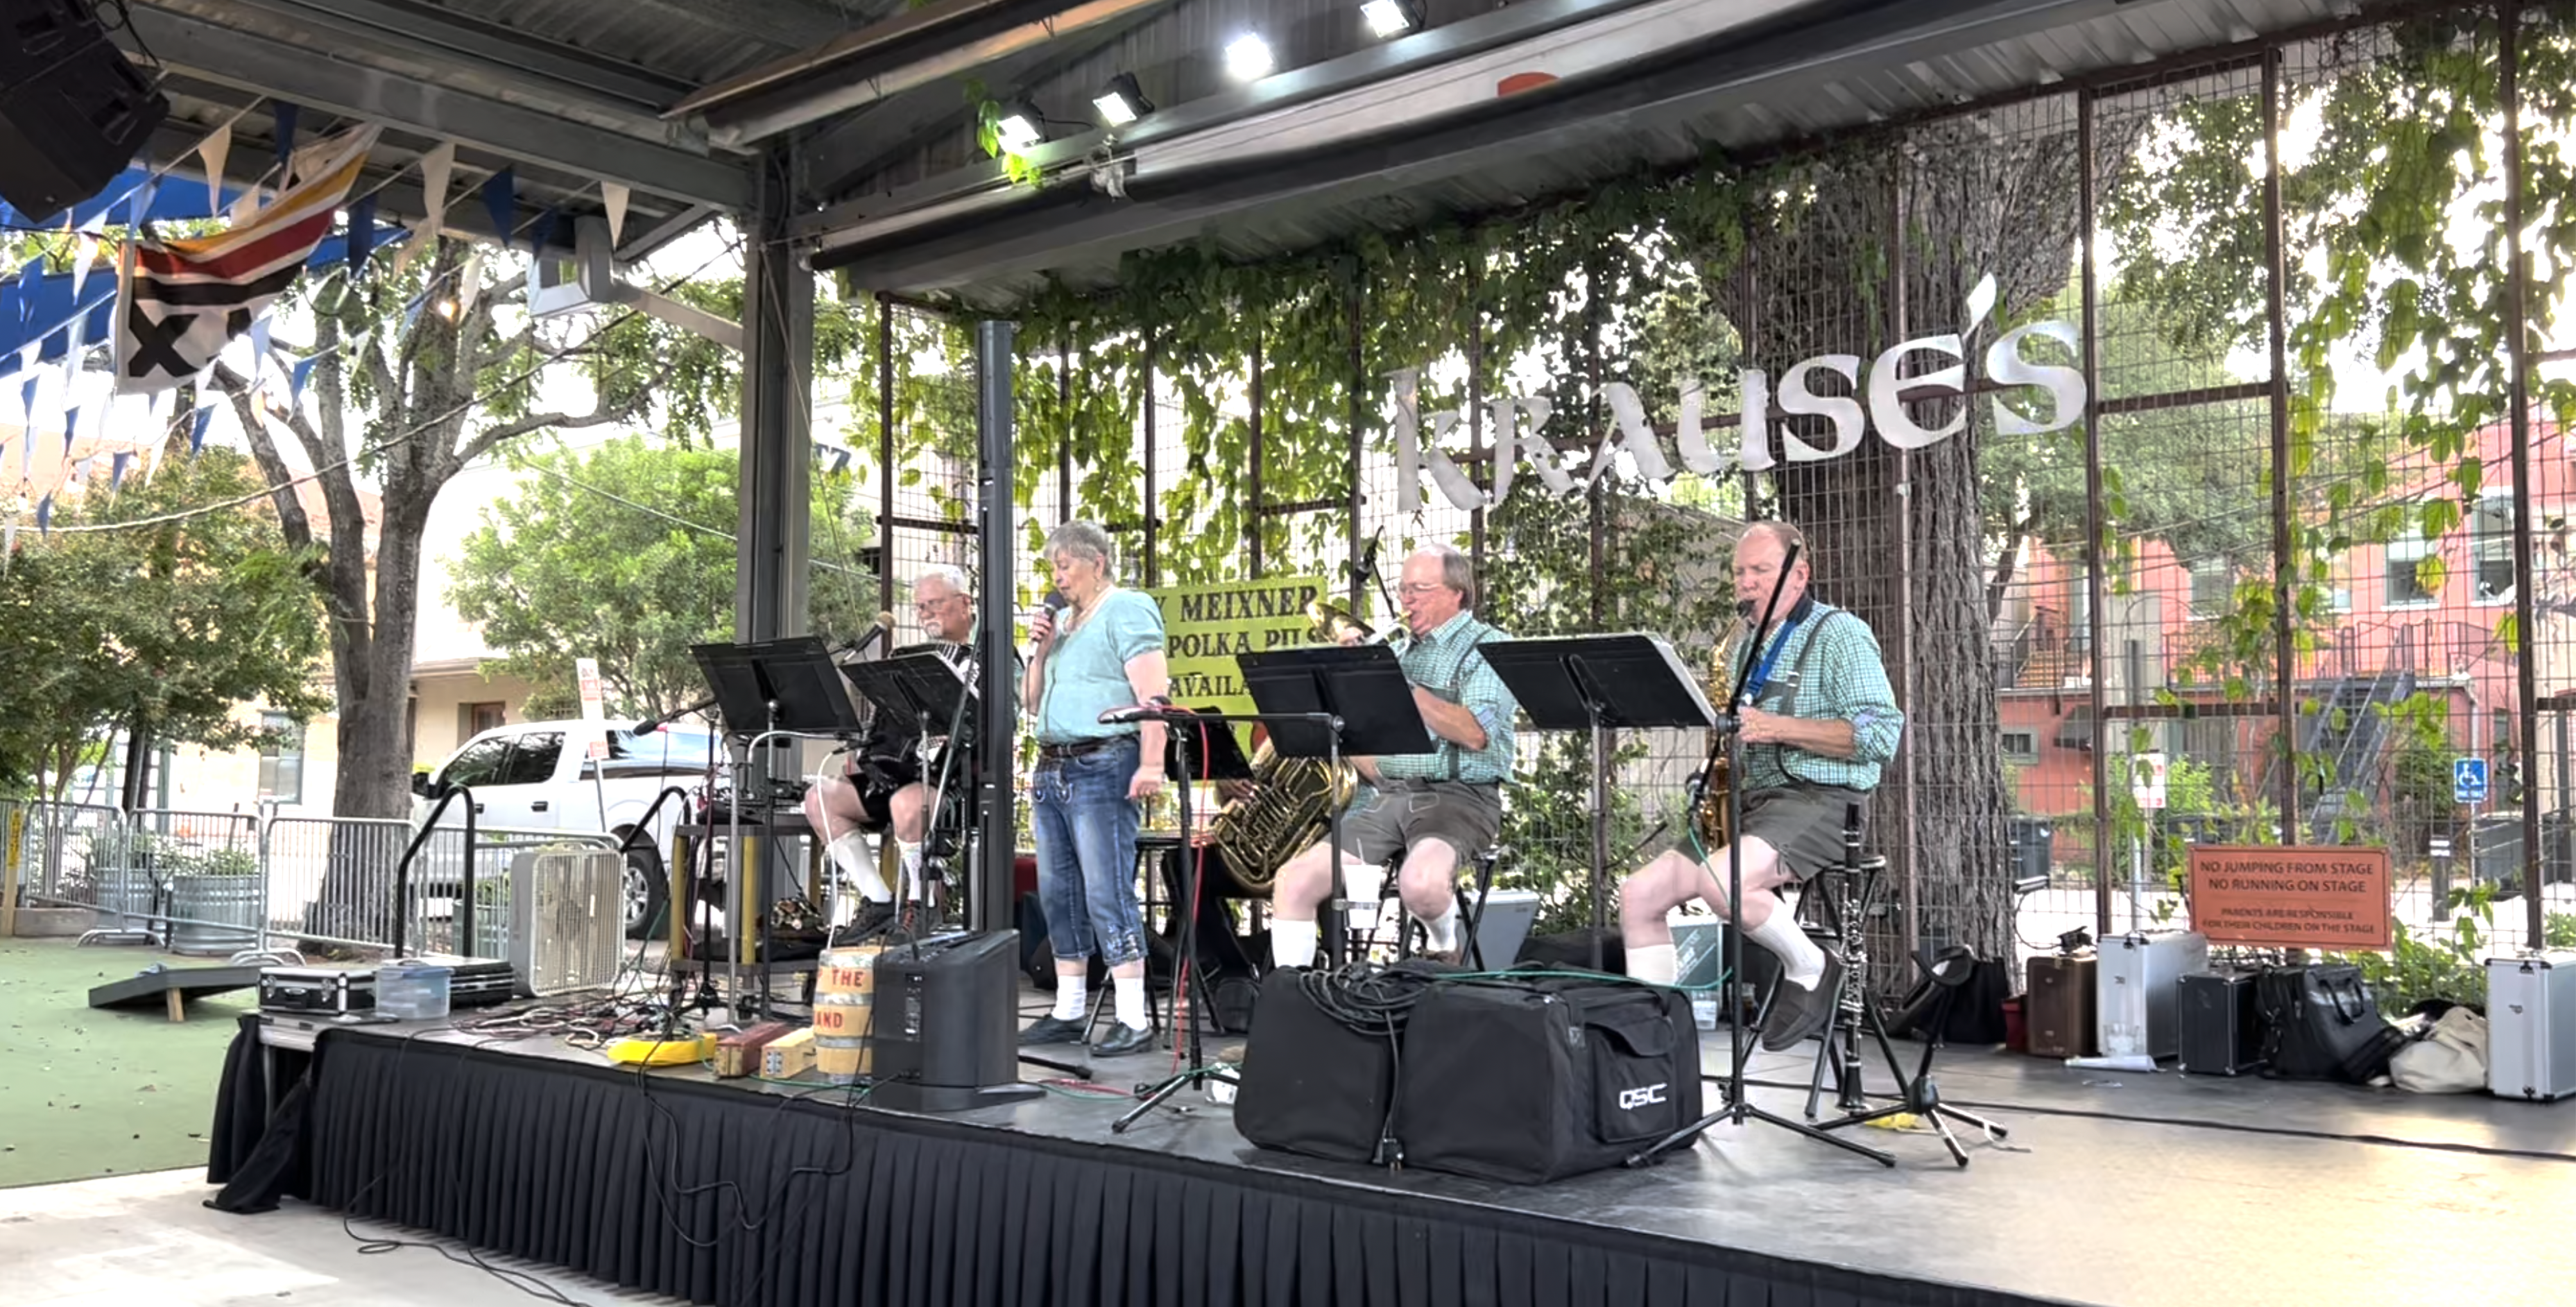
[1328,622]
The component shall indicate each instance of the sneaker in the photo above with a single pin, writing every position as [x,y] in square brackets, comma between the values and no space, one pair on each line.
[1797,1014]
[1051,1029]
[1122,1040]
[870,921]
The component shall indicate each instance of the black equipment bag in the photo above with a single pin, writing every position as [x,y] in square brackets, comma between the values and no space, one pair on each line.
[1532,1080]
[1309,1083]
[2320,1022]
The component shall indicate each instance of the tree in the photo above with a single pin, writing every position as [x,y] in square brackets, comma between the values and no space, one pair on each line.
[625,553]
[159,608]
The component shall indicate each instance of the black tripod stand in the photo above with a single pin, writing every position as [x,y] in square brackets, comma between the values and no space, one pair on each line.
[1190,987]
[1736,1106]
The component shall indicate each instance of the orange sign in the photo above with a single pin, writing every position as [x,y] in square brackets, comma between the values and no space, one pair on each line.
[2323,898]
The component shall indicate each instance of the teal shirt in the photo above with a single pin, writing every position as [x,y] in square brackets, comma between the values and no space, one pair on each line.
[1829,669]
[1086,668]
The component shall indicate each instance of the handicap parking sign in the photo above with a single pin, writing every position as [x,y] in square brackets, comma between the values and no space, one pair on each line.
[2468,780]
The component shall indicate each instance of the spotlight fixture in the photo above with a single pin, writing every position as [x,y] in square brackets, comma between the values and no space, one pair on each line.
[1020,127]
[1120,102]
[1247,58]
[1391,18]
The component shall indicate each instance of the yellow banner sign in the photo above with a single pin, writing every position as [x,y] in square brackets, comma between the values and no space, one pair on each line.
[1205,627]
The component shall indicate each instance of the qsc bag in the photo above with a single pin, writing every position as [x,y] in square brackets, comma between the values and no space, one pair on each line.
[1530,1081]
[1310,1084]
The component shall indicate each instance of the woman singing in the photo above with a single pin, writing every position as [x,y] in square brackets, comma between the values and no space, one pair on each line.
[1105,652]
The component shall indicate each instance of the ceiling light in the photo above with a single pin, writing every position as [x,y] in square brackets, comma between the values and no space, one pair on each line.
[1020,127]
[1248,58]
[1121,103]
[1388,18]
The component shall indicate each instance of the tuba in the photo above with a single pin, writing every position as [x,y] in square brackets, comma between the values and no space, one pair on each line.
[1708,813]
[1293,798]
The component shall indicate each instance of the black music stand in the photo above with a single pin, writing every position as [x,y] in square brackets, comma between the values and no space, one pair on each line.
[919,685]
[1333,702]
[1595,683]
[784,686]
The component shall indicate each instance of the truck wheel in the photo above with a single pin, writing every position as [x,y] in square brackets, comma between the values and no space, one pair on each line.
[647,888]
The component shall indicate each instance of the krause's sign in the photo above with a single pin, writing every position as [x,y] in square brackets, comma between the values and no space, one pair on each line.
[2324,897]
[1875,401]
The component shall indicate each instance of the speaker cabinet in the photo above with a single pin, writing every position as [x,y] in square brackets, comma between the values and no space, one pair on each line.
[74,112]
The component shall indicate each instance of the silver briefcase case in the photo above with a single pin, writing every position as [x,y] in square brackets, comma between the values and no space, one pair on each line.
[2139,990]
[2531,1026]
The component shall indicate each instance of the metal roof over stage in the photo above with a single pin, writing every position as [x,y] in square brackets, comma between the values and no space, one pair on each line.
[861,107]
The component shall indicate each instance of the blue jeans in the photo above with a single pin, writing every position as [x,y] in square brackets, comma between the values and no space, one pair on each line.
[1086,835]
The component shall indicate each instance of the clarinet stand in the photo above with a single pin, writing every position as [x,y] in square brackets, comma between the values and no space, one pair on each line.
[1333,702]
[1736,1104]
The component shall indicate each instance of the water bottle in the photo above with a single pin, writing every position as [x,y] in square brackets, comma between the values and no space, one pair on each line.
[1704,1009]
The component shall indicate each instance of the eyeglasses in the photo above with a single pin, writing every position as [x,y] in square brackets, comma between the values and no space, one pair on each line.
[1420,591]
[934,605]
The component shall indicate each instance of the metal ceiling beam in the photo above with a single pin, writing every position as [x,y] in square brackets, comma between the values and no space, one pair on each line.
[230,57]
[447,38]
[666,231]
[788,24]
[1062,226]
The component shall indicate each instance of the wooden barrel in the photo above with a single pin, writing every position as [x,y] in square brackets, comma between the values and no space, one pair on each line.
[847,971]
[841,1060]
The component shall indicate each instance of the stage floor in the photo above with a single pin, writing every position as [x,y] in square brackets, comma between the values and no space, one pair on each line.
[2114,1188]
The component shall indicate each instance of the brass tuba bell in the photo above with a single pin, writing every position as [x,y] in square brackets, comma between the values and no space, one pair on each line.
[1327,623]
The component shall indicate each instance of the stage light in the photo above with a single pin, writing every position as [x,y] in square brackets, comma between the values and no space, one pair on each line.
[1020,127]
[1391,18]
[1248,58]
[1121,102]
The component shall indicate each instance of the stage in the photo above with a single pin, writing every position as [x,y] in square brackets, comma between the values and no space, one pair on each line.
[2113,1188]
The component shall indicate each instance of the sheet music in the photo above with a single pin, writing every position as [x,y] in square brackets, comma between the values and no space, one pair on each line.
[1682,673]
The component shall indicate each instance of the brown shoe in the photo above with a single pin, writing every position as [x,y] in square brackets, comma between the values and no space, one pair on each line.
[1447,957]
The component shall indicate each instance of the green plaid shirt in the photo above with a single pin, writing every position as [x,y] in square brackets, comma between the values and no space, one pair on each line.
[1446,663]
[1829,670]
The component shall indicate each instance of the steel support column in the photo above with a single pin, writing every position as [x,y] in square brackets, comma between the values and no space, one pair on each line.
[2526,669]
[2096,534]
[885,453]
[2285,651]
[1253,519]
[989,904]
[777,406]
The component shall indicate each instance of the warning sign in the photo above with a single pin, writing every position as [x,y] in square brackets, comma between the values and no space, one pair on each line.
[2322,898]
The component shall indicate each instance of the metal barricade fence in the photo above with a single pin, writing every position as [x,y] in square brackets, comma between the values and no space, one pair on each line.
[206,875]
[331,879]
[80,855]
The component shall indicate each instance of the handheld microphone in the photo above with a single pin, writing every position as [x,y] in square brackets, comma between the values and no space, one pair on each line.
[1150,710]
[881,632]
[1055,603]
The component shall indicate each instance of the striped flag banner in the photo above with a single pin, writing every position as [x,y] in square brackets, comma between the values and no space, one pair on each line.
[180,302]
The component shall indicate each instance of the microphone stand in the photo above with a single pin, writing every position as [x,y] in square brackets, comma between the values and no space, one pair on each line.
[1736,1106]
[1192,985]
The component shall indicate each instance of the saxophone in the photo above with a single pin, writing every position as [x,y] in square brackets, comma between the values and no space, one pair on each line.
[1293,799]
[1708,815]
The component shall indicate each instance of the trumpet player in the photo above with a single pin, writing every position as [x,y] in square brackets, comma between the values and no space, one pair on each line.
[1435,808]
[1818,723]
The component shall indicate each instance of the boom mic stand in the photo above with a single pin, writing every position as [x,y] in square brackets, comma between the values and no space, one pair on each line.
[1736,1105]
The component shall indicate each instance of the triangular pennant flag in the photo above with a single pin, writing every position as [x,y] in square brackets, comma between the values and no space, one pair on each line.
[29,353]
[362,232]
[411,246]
[27,398]
[94,224]
[245,208]
[116,471]
[45,515]
[8,543]
[76,335]
[84,253]
[155,403]
[80,470]
[141,208]
[411,311]
[71,425]
[501,201]
[840,462]
[217,148]
[613,196]
[469,284]
[285,116]
[197,433]
[301,373]
[259,348]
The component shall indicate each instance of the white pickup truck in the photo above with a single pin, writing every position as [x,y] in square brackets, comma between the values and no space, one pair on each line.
[540,776]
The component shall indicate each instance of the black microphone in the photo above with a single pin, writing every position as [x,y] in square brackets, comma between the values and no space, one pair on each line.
[882,630]
[1150,710]
[1367,566]
[1055,603]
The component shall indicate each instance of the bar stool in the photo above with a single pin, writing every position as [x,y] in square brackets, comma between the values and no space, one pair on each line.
[1390,903]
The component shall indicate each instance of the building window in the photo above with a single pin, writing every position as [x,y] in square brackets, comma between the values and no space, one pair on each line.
[2021,746]
[473,719]
[2491,537]
[2213,587]
[2407,555]
[281,758]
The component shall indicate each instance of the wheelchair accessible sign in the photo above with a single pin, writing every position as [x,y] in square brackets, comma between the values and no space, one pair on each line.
[2468,780]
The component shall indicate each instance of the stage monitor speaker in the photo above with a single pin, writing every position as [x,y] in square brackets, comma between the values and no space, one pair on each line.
[74,112]
[947,1024]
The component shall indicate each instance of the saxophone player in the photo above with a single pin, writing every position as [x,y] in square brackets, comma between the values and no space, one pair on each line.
[1818,723]
[1434,808]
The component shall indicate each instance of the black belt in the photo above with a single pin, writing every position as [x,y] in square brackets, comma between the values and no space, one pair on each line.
[1075,749]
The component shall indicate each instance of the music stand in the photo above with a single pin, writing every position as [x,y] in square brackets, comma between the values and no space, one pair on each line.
[1595,683]
[788,686]
[919,685]
[1328,702]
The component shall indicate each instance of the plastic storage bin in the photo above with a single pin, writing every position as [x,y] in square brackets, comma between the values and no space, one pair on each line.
[412,991]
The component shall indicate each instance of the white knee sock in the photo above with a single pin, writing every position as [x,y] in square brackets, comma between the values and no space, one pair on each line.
[1800,960]
[1652,963]
[1131,1001]
[1292,943]
[1070,994]
[1443,929]
[850,854]
[908,866]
